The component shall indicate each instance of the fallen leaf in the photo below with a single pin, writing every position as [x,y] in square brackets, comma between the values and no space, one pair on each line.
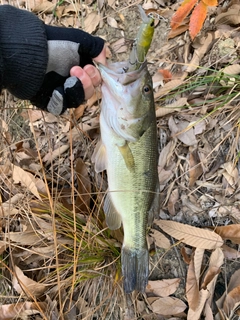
[197,19]
[14,310]
[26,179]
[193,236]
[214,267]
[232,301]
[179,30]
[192,286]
[174,197]
[168,306]
[200,52]
[172,107]
[198,258]
[24,285]
[211,3]
[167,76]
[173,84]
[230,232]
[163,288]
[230,17]
[182,12]
[233,69]
[119,46]
[84,187]
[233,283]
[91,22]
[195,166]
[112,22]
[182,132]
[160,239]
[232,173]
[52,155]
[230,253]
[196,313]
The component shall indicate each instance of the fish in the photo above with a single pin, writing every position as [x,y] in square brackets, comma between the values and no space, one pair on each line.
[128,152]
[142,42]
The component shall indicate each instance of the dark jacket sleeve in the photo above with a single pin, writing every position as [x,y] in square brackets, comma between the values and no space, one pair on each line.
[23,52]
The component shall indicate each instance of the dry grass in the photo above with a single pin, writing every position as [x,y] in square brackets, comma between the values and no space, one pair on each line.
[54,231]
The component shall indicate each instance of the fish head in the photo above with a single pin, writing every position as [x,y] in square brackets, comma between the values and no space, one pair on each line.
[127,100]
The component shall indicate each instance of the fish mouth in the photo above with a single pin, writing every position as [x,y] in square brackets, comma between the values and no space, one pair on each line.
[115,72]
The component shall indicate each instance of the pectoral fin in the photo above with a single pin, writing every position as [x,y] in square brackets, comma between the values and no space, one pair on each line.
[113,218]
[99,157]
[127,156]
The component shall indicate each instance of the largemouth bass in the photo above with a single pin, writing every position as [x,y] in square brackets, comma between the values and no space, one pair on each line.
[128,151]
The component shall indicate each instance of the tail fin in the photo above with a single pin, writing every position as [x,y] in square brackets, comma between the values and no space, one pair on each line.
[135,269]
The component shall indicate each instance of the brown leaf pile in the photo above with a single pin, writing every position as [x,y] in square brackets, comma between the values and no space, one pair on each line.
[58,260]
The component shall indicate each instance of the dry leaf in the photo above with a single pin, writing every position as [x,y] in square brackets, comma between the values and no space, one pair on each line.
[14,310]
[163,288]
[26,179]
[161,240]
[230,17]
[232,69]
[230,253]
[23,284]
[196,169]
[182,132]
[232,301]
[169,108]
[195,237]
[112,22]
[192,283]
[84,187]
[215,263]
[200,52]
[168,306]
[173,84]
[179,30]
[52,155]
[174,197]
[91,22]
[231,232]
[232,176]
[195,314]
[198,257]
[119,46]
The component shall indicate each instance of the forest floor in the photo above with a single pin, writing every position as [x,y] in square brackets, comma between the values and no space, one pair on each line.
[58,260]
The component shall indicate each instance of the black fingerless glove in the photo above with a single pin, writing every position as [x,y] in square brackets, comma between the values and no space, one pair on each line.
[35,60]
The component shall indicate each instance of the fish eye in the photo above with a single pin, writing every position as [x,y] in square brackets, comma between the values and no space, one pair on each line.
[152,24]
[146,89]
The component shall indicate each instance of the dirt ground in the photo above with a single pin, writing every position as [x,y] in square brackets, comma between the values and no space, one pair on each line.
[53,234]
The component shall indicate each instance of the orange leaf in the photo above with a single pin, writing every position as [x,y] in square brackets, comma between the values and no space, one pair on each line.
[182,13]
[197,19]
[167,76]
[211,3]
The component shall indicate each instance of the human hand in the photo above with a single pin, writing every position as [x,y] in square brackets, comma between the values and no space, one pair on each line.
[36,59]
[71,76]
[89,75]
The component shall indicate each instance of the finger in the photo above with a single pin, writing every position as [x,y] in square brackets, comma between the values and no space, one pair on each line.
[101,58]
[93,74]
[85,79]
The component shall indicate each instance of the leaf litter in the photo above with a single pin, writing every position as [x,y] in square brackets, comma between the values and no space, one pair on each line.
[52,224]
